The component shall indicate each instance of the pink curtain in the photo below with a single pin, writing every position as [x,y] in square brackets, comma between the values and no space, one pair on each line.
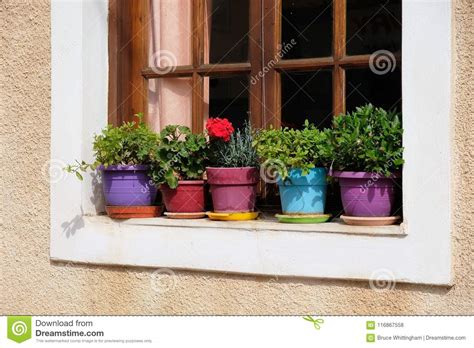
[170,99]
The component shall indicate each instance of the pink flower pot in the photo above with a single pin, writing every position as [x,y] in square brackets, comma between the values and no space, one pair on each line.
[233,189]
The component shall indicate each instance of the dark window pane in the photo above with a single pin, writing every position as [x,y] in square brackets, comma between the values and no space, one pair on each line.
[229,98]
[229,31]
[373,25]
[306,28]
[363,86]
[306,95]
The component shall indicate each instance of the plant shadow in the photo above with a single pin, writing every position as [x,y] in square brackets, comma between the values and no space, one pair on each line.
[72,226]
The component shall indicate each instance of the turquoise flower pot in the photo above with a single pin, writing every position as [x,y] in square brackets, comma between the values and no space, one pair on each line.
[303,194]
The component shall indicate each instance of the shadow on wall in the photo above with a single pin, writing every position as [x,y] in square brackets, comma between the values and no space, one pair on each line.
[97,198]
[72,226]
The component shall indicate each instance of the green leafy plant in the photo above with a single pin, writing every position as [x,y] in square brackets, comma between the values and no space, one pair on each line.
[368,139]
[239,151]
[129,144]
[287,148]
[180,155]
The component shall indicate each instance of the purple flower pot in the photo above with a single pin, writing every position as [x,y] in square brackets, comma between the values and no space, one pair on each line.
[233,189]
[366,194]
[127,185]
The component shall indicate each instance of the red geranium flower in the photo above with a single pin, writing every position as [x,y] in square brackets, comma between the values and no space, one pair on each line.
[219,128]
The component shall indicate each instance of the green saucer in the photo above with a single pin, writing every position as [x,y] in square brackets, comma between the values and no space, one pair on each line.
[303,219]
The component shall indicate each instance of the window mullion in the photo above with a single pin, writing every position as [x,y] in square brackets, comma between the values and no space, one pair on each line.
[256,103]
[271,94]
[339,52]
[198,22]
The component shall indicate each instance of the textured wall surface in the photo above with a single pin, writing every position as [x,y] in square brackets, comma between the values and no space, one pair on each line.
[30,283]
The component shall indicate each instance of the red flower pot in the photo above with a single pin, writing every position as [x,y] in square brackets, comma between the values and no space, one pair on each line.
[188,197]
[233,189]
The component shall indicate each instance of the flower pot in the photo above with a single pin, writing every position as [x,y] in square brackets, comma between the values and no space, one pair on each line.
[303,194]
[188,197]
[127,185]
[233,190]
[366,194]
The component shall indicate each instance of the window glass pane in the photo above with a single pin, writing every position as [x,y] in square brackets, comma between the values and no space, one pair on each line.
[306,95]
[229,98]
[363,86]
[373,25]
[170,28]
[306,28]
[228,32]
[170,102]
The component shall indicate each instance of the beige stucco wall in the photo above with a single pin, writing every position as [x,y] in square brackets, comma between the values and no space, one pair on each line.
[30,283]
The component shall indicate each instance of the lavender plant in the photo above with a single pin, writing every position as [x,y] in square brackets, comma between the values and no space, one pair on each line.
[239,151]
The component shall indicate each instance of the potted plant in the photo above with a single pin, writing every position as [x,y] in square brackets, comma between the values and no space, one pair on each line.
[123,155]
[233,172]
[179,167]
[367,146]
[297,159]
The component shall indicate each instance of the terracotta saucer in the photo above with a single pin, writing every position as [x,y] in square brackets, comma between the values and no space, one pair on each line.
[198,215]
[370,221]
[135,211]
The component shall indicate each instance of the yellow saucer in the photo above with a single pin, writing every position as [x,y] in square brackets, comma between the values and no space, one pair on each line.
[232,216]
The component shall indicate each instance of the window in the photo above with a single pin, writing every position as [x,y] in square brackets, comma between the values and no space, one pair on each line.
[275,62]
[80,67]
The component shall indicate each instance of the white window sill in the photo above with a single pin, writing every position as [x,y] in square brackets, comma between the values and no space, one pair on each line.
[267,222]
[264,247]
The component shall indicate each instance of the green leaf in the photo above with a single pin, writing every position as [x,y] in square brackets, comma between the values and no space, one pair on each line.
[368,139]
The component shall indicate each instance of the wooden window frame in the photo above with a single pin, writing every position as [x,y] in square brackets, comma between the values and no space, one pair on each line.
[129,71]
